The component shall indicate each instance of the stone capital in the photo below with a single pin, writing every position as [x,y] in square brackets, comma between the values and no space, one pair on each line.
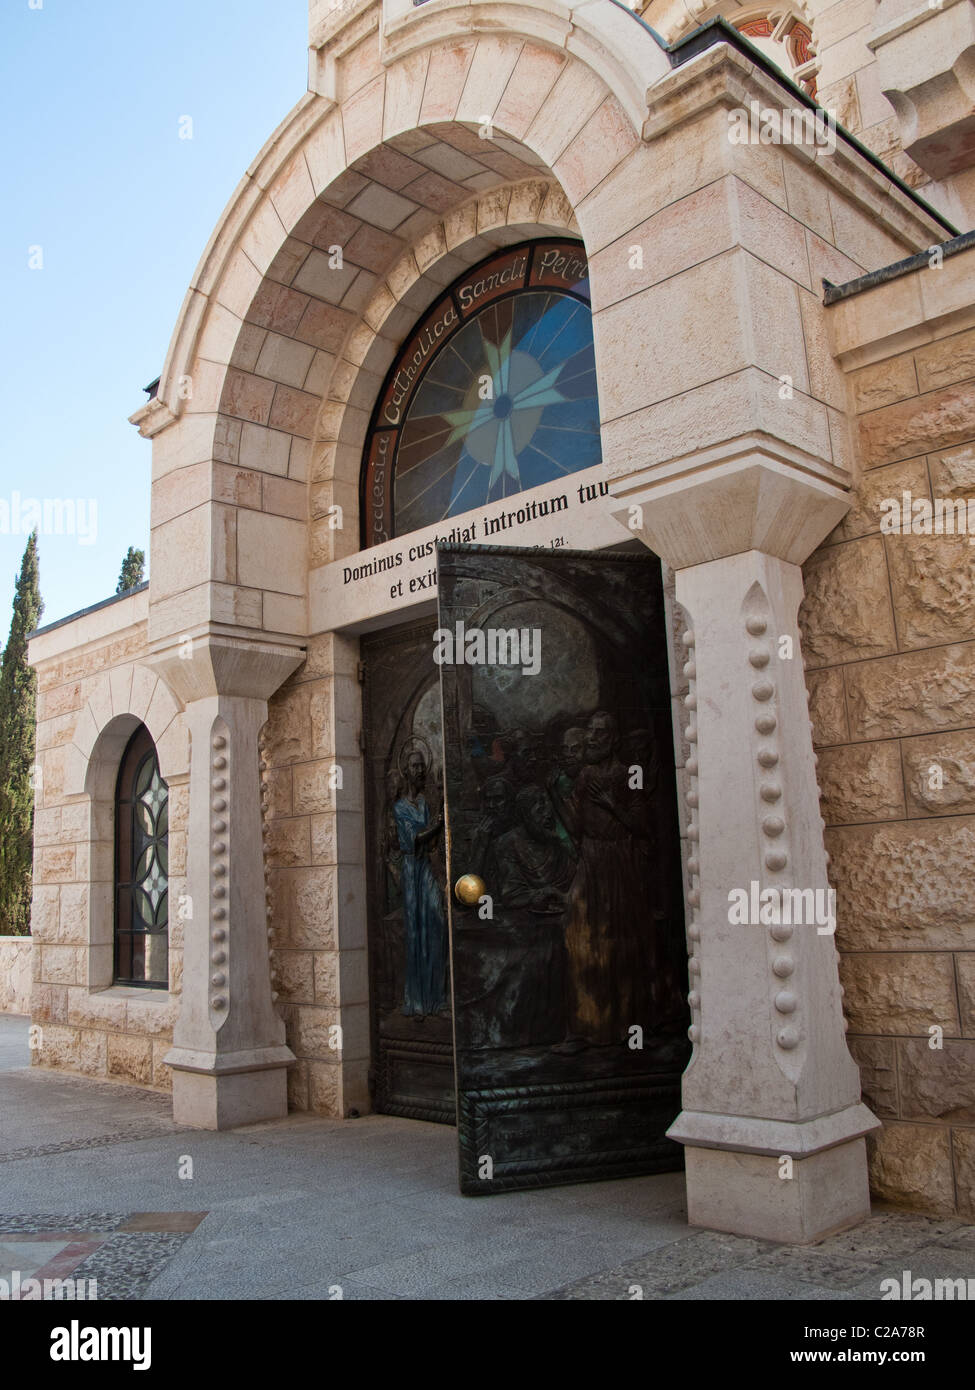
[738,496]
[203,663]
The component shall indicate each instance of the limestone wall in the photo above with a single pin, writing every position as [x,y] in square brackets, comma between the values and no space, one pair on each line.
[15,974]
[889,645]
[92,693]
[863,50]
[314,857]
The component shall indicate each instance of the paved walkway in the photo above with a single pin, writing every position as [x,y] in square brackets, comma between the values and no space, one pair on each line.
[306,1207]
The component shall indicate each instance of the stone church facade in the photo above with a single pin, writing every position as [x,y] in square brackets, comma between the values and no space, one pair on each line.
[754,423]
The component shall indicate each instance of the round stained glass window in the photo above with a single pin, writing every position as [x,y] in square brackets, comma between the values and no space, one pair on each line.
[493,393]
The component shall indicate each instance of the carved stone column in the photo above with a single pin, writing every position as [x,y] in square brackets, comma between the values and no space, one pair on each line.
[229,1056]
[772,1121]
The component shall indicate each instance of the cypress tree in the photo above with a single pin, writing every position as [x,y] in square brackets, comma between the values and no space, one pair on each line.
[18,707]
[133,570]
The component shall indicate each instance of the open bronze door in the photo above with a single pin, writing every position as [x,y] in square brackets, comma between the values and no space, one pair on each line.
[568,962]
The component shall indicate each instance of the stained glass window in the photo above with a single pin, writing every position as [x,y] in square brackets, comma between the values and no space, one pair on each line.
[141,868]
[494,392]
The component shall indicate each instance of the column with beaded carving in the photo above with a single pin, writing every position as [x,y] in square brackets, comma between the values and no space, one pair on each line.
[229,1056]
[772,1123]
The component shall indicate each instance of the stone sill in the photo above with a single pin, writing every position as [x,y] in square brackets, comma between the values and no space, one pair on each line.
[160,996]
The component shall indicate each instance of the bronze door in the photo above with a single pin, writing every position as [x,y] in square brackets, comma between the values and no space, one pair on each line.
[569,965]
[412,1043]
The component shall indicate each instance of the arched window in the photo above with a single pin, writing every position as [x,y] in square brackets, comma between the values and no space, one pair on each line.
[141,868]
[493,392]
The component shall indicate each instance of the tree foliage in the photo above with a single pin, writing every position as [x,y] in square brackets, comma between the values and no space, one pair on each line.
[133,570]
[18,708]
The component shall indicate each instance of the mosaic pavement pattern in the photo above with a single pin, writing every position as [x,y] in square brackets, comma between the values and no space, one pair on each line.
[117,1256]
[851,1264]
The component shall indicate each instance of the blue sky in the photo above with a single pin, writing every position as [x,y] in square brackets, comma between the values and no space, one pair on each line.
[97,176]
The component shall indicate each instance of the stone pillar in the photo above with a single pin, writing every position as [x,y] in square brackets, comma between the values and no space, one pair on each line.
[229,1057]
[772,1121]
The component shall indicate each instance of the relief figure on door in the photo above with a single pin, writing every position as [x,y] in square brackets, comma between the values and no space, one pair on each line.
[424,920]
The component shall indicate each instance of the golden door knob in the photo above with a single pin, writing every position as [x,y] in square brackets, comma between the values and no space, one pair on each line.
[469,889]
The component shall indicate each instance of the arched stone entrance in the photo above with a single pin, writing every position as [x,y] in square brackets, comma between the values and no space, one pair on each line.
[429,138]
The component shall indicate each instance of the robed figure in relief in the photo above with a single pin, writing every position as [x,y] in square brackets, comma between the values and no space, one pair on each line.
[425,990]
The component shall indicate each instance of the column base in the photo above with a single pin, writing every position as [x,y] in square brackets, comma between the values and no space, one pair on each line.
[228,1093]
[746,1194]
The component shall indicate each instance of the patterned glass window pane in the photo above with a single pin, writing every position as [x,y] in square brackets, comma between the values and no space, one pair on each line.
[493,393]
[141,868]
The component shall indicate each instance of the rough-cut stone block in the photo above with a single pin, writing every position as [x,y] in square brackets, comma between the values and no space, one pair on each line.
[277,781]
[910,1165]
[963,1148]
[326,977]
[314,1035]
[45,911]
[298,1086]
[323,835]
[325,1088]
[55,864]
[937,1083]
[48,1004]
[321,715]
[965,970]
[912,694]
[899,992]
[73,1049]
[872,489]
[162,1075]
[314,787]
[947,362]
[99,1010]
[306,916]
[827,706]
[288,841]
[62,965]
[861,783]
[939,773]
[884,383]
[74,915]
[906,886]
[939,420]
[878,1073]
[131,1059]
[294,976]
[846,612]
[933,583]
[153,1016]
[287,733]
[953,472]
